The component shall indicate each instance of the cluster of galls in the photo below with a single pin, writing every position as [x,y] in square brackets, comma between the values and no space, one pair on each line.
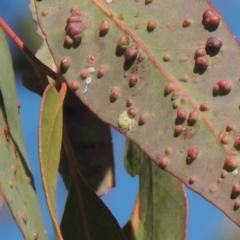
[211,21]
[75,27]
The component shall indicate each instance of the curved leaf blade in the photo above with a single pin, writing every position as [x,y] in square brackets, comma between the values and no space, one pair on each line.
[50,140]
[16,180]
[192,88]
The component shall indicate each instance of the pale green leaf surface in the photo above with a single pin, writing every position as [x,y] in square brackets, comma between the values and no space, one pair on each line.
[193,88]
[16,179]
[50,140]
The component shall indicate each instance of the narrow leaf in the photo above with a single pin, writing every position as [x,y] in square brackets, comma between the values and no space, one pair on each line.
[161,210]
[50,139]
[16,180]
[149,83]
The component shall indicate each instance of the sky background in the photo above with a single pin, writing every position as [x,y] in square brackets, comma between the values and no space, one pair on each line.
[205,222]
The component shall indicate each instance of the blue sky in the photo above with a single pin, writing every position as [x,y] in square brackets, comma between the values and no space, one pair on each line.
[204,222]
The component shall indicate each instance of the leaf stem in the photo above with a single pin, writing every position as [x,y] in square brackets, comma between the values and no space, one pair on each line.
[31,57]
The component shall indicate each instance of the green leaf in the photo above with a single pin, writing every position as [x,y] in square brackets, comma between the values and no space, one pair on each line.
[50,140]
[86,217]
[164,56]
[16,180]
[160,211]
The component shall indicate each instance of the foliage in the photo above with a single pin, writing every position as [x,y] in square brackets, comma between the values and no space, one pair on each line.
[166,84]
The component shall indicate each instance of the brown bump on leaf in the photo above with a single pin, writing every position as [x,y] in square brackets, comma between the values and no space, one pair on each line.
[210,19]
[84,74]
[178,130]
[14,169]
[133,80]
[121,16]
[11,184]
[143,118]
[175,104]
[123,42]
[18,105]
[148,1]
[213,21]
[169,88]
[75,26]
[131,53]
[74,86]
[236,188]
[192,154]
[141,57]
[204,107]
[181,115]
[236,204]
[231,163]
[207,14]
[213,189]
[192,179]
[129,102]
[104,28]
[168,150]
[183,59]
[193,117]
[219,180]
[64,65]
[35,236]
[222,87]
[201,62]
[68,40]
[23,216]
[184,99]
[163,162]
[166,57]
[101,71]
[186,22]
[151,25]
[200,52]
[184,78]
[229,127]
[175,95]
[213,45]
[114,94]
[225,139]
[132,112]
[237,143]
[215,89]
[223,173]
[45,13]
